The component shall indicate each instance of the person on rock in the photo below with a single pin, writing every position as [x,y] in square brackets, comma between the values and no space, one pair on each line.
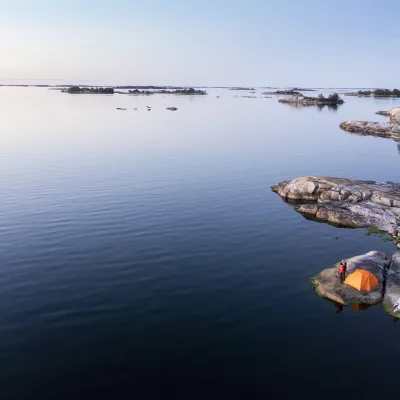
[344,262]
[342,272]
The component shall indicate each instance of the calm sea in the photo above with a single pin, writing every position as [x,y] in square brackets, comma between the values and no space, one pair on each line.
[143,255]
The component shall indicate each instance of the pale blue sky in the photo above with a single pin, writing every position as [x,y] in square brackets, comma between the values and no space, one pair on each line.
[346,43]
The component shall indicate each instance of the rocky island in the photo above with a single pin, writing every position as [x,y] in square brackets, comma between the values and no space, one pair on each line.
[345,202]
[91,90]
[290,92]
[375,93]
[333,100]
[189,91]
[386,268]
[389,129]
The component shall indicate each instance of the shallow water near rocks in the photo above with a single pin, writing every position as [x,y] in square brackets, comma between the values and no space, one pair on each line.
[144,252]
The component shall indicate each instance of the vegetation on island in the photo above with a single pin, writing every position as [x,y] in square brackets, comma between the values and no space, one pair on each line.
[383,235]
[332,99]
[98,90]
[376,93]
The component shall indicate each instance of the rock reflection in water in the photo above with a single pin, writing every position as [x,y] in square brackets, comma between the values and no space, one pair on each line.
[360,307]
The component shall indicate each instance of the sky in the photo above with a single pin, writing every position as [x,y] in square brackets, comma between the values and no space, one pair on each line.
[309,43]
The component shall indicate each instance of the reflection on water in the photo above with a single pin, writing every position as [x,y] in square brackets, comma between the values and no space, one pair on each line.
[320,107]
[360,307]
[331,107]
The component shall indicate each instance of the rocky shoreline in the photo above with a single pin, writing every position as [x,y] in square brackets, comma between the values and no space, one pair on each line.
[389,129]
[386,269]
[345,202]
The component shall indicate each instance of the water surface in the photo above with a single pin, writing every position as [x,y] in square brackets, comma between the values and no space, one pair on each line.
[143,253]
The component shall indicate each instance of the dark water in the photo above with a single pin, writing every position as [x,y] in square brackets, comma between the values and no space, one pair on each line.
[143,254]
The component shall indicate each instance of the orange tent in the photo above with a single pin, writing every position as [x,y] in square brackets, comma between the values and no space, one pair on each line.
[361,279]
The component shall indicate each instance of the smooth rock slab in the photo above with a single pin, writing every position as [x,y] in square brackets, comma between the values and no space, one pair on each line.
[328,285]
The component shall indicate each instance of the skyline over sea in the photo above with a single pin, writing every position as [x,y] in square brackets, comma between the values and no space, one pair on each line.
[60,82]
[219,43]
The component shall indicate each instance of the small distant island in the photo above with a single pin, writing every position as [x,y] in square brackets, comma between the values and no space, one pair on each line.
[375,93]
[96,90]
[304,89]
[290,92]
[332,99]
[126,87]
[189,91]
[241,88]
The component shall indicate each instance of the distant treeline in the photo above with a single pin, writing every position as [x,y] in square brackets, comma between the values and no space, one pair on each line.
[189,91]
[376,92]
[100,90]
[333,98]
